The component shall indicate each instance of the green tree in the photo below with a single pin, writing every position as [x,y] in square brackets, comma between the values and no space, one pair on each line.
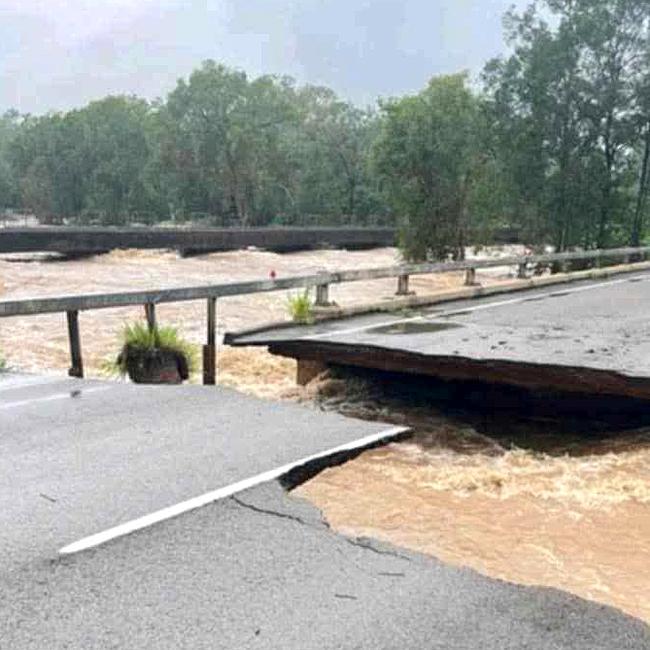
[116,151]
[227,128]
[90,160]
[42,156]
[326,154]
[563,112]
[642,127]
[427,155]
[9,127]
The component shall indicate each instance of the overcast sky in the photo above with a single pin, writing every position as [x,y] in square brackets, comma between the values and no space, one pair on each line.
[56,54]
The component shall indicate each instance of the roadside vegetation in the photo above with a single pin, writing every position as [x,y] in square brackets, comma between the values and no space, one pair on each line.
[142,346]
[554,142]
[301,307]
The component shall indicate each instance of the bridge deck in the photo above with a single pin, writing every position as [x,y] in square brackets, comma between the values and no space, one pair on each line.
[588,337]
[80,240]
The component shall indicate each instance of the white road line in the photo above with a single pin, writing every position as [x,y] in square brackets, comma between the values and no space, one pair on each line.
[13,382]
[80,392]
[221,493]
[451,312]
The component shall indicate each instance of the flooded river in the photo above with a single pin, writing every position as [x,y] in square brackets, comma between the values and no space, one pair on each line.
[536,502]
[530,502]
[40,343]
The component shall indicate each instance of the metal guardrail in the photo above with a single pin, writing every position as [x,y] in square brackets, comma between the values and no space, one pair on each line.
[72,305]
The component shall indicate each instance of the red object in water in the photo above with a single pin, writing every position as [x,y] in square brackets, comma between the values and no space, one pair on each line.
[272,275]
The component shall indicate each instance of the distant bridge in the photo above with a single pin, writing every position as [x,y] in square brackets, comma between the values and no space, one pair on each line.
[93,240]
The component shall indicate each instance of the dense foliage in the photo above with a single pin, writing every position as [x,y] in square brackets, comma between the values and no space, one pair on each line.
[570,113]
[427,153]
[555,142]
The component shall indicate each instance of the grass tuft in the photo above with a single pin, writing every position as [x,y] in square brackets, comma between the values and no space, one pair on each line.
[301,307]
[138,336]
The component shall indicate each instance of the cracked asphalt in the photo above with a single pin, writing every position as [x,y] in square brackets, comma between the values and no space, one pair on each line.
[263,571]
[78,458]
[260,569]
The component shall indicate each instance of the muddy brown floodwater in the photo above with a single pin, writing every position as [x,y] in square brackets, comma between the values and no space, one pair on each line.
[40,343]
[522,507]
[531,502]
[578,524]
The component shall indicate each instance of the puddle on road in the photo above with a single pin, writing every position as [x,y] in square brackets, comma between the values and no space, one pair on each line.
[413,327]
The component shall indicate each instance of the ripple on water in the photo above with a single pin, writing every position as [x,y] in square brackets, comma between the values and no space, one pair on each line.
[526,502]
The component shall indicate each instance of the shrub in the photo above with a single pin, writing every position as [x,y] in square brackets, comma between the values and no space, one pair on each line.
[138,337]
[301,307]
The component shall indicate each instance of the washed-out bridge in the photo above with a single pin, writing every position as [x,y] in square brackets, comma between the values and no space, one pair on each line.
[537,339]
[116,495]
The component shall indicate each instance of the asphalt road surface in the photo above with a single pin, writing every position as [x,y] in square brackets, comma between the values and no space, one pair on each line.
[258,569]
[602,326]
[82,457]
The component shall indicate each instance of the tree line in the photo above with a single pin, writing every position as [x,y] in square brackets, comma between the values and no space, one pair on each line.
[222,146]
[553,141]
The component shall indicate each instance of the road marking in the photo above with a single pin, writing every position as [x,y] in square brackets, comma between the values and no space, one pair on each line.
[14,382]
[464,310]
[73,394]
[222,493]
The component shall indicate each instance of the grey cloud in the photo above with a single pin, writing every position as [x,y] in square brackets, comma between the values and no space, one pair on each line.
[361,48]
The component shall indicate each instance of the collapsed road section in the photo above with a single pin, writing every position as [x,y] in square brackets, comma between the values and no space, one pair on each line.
[590,338]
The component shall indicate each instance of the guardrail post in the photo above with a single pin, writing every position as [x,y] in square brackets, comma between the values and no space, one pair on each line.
[210,349]
[403,285]
[561,266]
[322,295]
[522,270]
[150,313]
[77,366]
[470,277]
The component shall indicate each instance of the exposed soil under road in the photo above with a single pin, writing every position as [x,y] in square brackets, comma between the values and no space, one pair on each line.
[530,503]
